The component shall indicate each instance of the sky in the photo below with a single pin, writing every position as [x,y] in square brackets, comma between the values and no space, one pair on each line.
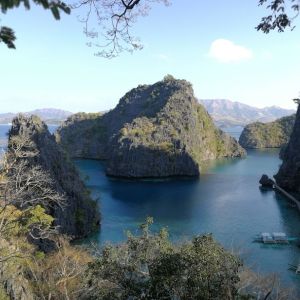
[212,44]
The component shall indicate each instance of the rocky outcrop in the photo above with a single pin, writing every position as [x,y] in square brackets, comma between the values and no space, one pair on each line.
[265,181]
[267,135]
[155,131]
[288,176]
[84,135]
[80,216]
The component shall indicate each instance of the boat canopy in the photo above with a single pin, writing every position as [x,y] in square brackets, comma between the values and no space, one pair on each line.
[279,236]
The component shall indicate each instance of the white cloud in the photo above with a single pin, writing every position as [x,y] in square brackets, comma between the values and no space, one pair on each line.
[226,51]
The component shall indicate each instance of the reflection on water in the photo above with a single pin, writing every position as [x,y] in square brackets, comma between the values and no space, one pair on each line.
[225,201]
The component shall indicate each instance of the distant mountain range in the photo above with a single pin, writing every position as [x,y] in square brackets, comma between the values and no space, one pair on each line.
[227,113]
[49,115]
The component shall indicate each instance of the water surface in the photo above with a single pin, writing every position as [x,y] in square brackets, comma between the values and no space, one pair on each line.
[225,201]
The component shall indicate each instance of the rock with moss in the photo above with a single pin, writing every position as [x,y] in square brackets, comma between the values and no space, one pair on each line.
[155,131]
[174,137]
[80,215]
[267,135]
[83,135]
[288,176]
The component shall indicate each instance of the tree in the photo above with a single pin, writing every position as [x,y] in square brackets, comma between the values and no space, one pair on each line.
[115,18]
[7,35]
[60,274]
[283,13]
[27,192]
[149,266]
[297,100]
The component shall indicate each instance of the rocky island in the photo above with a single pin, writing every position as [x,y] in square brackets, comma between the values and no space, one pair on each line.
[267,135]
[156,130]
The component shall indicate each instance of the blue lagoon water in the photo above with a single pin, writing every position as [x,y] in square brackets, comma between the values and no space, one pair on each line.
[225,201]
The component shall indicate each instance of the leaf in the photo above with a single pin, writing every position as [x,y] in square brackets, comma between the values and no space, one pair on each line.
[7,36]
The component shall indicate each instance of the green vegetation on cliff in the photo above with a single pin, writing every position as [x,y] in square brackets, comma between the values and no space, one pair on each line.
[267,135]
[155,131]
[57,179]
[83,135]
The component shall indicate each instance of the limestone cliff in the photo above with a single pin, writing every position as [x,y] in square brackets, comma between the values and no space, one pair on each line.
[267,135]
[80,216]
[288,176]
[84,135]
[155,131]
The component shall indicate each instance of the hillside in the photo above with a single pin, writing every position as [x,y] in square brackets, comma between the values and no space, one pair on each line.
[48,115]
[267,135]
[226,113]
[155,131]
[288,176]
[79,216]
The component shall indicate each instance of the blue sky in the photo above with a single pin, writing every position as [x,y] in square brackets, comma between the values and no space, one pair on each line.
[213,44]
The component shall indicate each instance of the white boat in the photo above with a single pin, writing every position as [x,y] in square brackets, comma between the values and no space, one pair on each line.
[274,238]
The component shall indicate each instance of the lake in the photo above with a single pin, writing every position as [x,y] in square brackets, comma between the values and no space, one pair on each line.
[225,201]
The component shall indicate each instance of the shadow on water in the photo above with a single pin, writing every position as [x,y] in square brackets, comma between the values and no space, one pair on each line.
[225,201]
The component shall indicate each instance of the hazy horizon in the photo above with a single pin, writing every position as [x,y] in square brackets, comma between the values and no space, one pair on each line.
[77,111]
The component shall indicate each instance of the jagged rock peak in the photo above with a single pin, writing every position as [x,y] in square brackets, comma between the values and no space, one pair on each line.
[155,131]
[172,134]
[80,215]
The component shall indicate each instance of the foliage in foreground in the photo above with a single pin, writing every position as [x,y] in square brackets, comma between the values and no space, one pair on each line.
[146,266]
[151,267]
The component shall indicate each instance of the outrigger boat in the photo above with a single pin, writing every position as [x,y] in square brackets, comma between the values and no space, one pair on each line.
[294,268]
[274,238]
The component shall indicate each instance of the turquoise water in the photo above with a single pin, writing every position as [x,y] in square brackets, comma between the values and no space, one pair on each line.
[226,201]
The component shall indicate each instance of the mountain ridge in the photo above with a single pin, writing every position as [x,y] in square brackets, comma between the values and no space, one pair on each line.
[226,113]
[48,115]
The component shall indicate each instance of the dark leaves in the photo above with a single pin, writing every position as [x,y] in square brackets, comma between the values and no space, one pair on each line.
[281,16]
[7,36]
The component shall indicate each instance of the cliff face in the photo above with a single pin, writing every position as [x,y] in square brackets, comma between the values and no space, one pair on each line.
[155,131]
[80,216]
[288,176]
[84,135]
[267,135]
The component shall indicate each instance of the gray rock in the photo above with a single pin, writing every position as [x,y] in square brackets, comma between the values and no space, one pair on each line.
[288,176]
[155,131]
[267,135]
[80,216]
[265,181]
